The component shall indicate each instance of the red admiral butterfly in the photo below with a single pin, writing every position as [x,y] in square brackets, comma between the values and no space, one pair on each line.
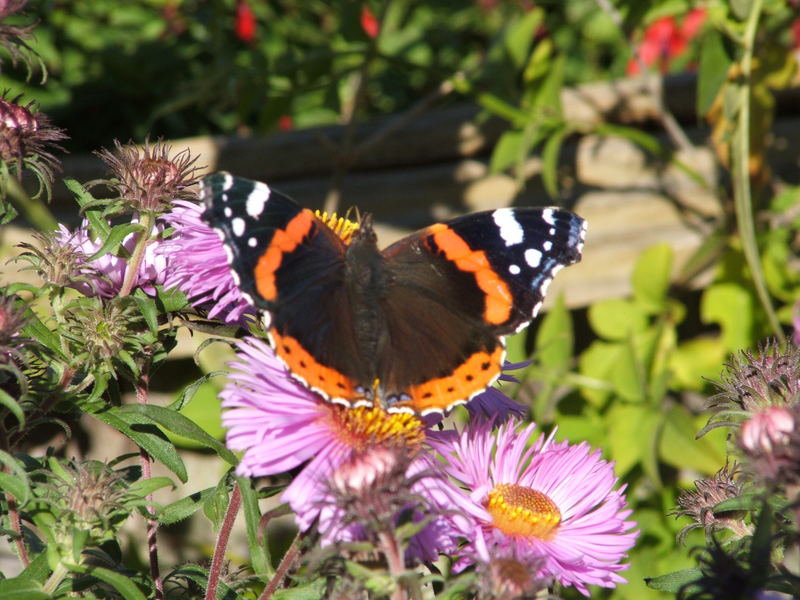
[417,327]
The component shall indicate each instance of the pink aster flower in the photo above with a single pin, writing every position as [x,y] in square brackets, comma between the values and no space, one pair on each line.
[280,425]
[199,267]
[108,270]
[550,501]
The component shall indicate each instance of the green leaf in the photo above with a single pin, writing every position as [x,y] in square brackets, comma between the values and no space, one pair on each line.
[216,504]
[520,36]
[171,300]
[259,555]
[651,277]
[177,423]
[34,328]
[680,447]
[184,508]
[20,588]
[637,136]
[731,306]
[632,428]
[555,338]
[550,154]
[13,407]
[145,487]
[713,70]
[115,237]
[38,569]
[149,437]
[16,482]
[506,151]
[743,502]
[122,583]
[617,319]
[147,306]
[673,582]
[315,590]
[204,410]
[595,365]
[696,359]
[84,199]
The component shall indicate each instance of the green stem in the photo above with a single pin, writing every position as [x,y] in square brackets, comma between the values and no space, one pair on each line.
[148,222]
[34,210]
[741,172]
[56,577]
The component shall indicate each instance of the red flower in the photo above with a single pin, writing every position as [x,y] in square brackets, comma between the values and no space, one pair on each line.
[285,123]
[369,23]
[664,39]
[796,33]
[245,22]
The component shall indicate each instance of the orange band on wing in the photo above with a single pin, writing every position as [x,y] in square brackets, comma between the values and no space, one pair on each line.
[472,376]
[283,241]
[301,363]
[499,300]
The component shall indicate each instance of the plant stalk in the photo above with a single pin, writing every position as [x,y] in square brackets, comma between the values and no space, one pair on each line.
[222,542]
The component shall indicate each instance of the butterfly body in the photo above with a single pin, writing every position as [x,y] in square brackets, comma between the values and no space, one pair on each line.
[417,327]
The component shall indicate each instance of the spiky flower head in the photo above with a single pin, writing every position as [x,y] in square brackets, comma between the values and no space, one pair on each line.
[27,141]
[769,377]
[101,332]
[150,177]
[14,38]
[59,259]
[85,496]
[699,504]
[510,578]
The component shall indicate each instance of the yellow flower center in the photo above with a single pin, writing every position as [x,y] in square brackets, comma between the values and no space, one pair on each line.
[362,427]
[523,511]
[344,228]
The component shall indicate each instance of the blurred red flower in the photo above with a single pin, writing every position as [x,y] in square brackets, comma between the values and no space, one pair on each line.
[245,22]
[369,23]
[664,40]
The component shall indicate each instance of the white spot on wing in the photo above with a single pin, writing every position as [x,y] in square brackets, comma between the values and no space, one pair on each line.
[514,269]
[533,257]
[547,215]
[228,212]
[252,242]
[548,245]
[257,200]
[510,229]
[227,184]
[238,226]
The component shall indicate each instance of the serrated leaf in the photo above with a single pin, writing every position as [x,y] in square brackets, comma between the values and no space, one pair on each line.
[184,508]
[16,482]
[19,588]
[673,582]
[115,237]
[149,437]
[651,278]
[713,70]
[171,300]
[177,423]
[216,504]
[743,502]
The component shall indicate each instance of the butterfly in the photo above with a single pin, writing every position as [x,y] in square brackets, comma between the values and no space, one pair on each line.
[416,327]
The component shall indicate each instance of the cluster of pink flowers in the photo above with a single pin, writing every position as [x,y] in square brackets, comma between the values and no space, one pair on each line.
[482,492]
